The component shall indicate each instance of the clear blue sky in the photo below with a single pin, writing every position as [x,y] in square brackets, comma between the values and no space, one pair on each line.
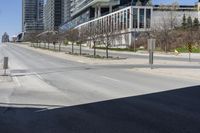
[10,17]
[10,14]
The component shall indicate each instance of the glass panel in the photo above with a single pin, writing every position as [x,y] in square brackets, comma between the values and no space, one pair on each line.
[135,18]
[125,19]
[110,23]
[118,21]
[141,18]
[148,18]
[121,20]
[128,17]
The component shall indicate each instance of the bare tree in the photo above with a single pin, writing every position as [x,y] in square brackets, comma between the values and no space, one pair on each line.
[164,29]
[61,38]
[83,37]
[94,32]
[54,38]
[109,34]
[72,36]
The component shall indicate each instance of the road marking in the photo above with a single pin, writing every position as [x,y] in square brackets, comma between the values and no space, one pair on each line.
[47,109]
[105,77]
[17,81]
[80,61]
[38,75]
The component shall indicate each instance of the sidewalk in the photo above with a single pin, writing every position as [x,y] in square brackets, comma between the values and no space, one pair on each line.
[143,53]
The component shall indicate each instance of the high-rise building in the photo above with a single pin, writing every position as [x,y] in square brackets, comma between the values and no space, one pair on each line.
[85,10]
[5,38]
[32,16]
[67,10]
[53,14]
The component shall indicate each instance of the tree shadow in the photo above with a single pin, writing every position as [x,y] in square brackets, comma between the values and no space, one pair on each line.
[176,111]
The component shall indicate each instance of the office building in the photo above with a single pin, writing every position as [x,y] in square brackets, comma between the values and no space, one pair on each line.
[130,17]
[67,10]
[127,16]
[53,14]
[85,10]
[32,16]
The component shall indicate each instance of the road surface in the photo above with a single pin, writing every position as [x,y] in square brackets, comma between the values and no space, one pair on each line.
[50,94]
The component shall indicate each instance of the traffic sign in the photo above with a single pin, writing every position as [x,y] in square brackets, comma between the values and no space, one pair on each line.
[190,47]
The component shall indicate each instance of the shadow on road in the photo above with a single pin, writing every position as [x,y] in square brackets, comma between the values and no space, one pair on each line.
[176,111]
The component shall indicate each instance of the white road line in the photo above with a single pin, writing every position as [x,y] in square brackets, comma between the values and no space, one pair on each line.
[17,81]
[38,75]
[80,61]
[105,77]
[46,109]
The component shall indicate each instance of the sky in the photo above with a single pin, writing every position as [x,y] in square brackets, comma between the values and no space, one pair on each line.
[10,14]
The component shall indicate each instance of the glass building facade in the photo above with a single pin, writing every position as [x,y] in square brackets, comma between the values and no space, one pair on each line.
[32,16]
[86,10]
[53,14]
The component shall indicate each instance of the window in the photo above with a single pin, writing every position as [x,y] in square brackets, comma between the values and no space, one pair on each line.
[135,18]
[141,18]
[128,17]
[148,18]
[125,21]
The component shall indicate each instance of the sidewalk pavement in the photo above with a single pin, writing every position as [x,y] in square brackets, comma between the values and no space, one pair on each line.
[145,53]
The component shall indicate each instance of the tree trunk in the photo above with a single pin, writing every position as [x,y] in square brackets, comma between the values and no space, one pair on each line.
[80,49]
[48,45]
[72,48]
[107,56]
[59,47]
[94,47]
[54,47]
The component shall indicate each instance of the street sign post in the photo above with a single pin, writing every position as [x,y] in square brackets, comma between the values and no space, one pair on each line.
[151,48]
[5,64]
[190,51]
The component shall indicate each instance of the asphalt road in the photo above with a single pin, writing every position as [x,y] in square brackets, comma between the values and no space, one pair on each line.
[55,95]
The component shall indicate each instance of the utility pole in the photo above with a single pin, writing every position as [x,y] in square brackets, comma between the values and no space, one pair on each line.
[5,65]
[190,51]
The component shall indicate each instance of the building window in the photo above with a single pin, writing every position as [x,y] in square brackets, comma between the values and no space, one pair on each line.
[135,18]
[118,22]
[121,14]
[148,18]
[141,18]
[125,19]
[128,17]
